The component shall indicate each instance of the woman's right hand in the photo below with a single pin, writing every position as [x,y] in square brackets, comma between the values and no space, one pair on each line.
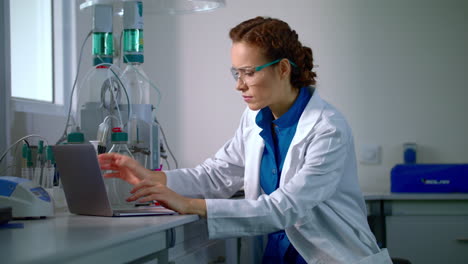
[128,169]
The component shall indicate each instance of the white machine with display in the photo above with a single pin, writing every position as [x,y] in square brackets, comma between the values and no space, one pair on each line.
[27,199]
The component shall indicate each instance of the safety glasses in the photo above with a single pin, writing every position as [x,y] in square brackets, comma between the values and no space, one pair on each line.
[250,75]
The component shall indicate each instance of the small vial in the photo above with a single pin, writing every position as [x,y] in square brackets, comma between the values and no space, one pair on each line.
[27,168]
[409,152]
[40,162]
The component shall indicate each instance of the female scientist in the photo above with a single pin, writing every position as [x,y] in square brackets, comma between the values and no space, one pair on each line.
[292,153]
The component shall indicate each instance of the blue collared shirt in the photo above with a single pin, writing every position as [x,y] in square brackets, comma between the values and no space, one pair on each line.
[278,135]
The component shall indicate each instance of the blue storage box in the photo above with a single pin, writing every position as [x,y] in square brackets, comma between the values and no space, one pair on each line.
[434,178]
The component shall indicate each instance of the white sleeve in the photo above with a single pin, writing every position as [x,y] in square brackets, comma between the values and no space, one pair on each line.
[316,181]
[217,177]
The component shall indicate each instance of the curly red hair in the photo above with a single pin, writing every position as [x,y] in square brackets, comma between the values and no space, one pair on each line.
[278,41]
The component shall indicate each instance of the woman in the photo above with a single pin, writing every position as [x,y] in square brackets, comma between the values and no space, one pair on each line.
[293,154]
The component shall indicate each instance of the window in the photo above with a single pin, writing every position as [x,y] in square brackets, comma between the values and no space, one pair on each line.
[31,46]
[37,41]
[41,41]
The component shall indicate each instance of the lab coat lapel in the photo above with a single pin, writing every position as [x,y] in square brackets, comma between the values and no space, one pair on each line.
[253,159]
[308,119]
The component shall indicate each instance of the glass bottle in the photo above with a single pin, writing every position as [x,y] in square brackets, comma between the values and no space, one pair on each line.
[142,130]
[76,137]
[409,152]
[96,96]
[118,189]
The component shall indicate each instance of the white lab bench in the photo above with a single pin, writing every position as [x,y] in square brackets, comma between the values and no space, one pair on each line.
[68,238]
[424,228]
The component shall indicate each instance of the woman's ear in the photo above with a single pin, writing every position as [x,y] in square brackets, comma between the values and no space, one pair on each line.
[284,68]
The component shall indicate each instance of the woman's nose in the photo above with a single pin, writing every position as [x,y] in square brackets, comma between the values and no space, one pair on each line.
[240,85]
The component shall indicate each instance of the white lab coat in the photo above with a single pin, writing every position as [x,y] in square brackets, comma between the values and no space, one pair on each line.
[318,202]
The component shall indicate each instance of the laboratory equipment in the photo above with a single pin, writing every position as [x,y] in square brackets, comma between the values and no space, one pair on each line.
[27,163]
[26,166]
[103,47]
[435,178]
[108,97]
[99,93]
[40,163]
[410,152]
[143,130]
[103,131]
[118,189]
[75,137]
[48,174]
[26,198]
[5,214]
[166,6]
[119,142]
[95,144]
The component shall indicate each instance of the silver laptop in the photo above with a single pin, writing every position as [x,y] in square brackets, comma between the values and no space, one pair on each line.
[84,186]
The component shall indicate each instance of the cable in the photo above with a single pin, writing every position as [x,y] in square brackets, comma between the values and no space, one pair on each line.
[64,135]
[121,47]
[23,138]
[15,157]
[110,116]
[27,143]
[156,107]
[168,165]
[6,169]
[122,85]
[113,80]
[165,142]
[126,95]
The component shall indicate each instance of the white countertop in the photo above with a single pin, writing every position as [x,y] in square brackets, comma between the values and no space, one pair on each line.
[415,196]
[68,238]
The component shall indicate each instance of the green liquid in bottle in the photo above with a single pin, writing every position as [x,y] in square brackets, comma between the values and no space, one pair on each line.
[133,41]
[103,44]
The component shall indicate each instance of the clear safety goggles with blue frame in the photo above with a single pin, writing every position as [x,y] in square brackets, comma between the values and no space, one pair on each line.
[249,74]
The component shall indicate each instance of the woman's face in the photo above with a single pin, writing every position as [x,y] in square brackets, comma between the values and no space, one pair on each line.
[261,88]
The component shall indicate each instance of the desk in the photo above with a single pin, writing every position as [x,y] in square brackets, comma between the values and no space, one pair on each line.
[424,228]
[68,238]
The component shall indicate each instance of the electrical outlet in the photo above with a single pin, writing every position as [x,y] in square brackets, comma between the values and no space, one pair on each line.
[370,154]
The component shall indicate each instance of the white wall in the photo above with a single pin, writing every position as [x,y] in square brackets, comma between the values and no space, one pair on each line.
[396,69]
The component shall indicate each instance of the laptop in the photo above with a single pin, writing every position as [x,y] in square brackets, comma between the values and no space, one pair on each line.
[84,186]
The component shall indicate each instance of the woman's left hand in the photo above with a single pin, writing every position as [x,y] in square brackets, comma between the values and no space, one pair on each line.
[148,190]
